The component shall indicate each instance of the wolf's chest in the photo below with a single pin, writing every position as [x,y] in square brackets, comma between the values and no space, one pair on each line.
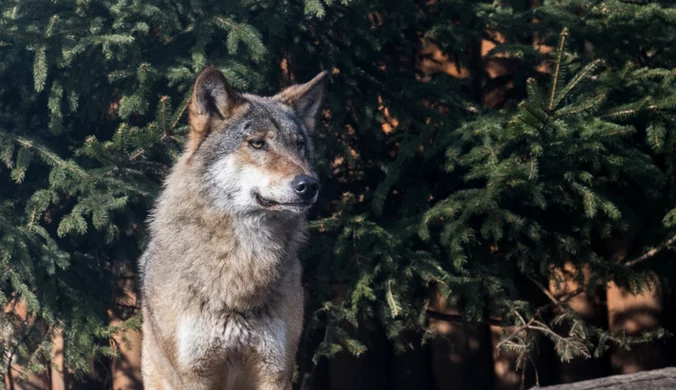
[212,337]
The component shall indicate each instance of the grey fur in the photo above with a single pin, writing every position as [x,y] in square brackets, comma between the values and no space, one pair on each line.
[222,299]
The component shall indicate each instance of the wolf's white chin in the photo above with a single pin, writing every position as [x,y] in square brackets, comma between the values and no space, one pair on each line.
[293,209]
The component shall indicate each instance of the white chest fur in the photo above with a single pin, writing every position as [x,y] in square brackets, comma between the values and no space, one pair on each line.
[208,337]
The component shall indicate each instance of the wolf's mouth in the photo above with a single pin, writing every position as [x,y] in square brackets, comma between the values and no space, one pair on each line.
[269,203]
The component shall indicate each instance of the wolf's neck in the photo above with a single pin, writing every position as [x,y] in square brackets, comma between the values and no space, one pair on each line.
[264,238]
[251,258]
[236,262]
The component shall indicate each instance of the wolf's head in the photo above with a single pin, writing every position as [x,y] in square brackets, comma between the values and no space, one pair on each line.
[254,152]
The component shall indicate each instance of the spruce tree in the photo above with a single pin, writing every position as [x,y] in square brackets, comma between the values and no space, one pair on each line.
[425,186]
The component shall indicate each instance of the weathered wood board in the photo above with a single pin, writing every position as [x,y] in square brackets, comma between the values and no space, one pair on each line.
[661,379]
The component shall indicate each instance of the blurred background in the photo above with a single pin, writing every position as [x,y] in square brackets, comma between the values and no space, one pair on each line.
[498,205]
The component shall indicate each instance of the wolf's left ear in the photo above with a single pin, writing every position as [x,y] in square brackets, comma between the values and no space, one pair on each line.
[305,99]
[212,98]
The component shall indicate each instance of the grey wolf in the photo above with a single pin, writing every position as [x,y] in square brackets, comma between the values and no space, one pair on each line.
[222,299]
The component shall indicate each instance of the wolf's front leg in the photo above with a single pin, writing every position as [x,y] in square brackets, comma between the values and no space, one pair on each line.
[274,353]
[276,384]
[272,377]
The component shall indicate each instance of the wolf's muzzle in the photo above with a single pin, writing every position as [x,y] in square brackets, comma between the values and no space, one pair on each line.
[305,186]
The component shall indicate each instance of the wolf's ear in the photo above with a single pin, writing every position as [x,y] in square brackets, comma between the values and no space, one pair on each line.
[305,99]
[212,97]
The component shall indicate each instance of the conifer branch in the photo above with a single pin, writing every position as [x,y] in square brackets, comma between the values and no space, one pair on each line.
[31,357]
[515,333]
[163,109]
[537,325]
[544,290]
[391,300]
[32,219]
[494,321]
[43,151]
[170,130]
[17,345]
[8,5]
[582,108]
[651,252]
[535,370]
[577,79]
[619,113]
[567,297]
[557,70]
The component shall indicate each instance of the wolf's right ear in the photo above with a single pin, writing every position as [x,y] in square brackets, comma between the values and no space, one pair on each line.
[305,99]
[212,97]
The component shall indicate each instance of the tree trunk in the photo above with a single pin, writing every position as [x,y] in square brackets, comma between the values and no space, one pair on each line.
[126,371]
[461,353]
[57,373]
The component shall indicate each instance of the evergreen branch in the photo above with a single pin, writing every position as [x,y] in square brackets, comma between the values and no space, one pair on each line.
[50,26]
[567,297]
[25,142]
[354,245]
[15,348]
[167,131]
[557,71]
[537,325]
[544,290]
[625,113]
[32,219]
[31,357]
[589,106]
[163,110]
[535,370]
[577,79]
[314,7]
[563,300]
[134,156]
[8,5]
[55,159]
[390,299]
[619,113]
[651,252]
[171,128]
[47,335]
[40,68]
[656,138]
[241,33]
[626,130]
[524,327]
[523,321]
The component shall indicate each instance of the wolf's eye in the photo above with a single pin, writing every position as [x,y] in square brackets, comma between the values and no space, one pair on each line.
[300,145]
[257,144]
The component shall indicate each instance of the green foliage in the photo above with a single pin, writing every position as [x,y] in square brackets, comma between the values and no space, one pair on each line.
[456,198]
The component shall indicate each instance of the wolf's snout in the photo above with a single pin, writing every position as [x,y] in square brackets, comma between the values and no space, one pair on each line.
[305,186]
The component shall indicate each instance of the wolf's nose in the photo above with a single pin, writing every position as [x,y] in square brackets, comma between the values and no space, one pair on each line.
[305,186]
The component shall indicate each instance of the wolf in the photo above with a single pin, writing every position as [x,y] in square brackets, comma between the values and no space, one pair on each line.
[222,300]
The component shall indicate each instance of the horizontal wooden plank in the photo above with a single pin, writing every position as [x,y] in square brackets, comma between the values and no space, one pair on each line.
[661,379]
